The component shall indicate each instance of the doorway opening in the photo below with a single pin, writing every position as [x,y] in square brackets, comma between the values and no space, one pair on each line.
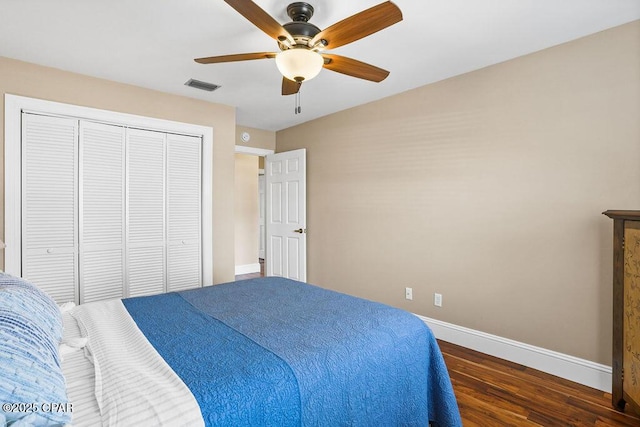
[250,229]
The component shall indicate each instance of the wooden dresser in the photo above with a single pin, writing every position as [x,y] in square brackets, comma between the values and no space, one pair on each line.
[626,309]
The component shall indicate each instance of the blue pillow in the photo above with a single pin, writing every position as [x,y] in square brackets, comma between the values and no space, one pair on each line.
[30,373]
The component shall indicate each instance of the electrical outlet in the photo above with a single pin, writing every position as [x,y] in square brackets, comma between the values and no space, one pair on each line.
[408,293]
[437,300]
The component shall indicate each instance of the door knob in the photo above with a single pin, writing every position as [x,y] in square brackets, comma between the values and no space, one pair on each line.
[300,230]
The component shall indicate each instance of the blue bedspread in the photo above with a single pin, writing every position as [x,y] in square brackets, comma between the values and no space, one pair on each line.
[277,352]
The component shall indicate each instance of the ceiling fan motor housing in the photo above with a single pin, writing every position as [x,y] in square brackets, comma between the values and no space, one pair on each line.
[300,29]
[300,11]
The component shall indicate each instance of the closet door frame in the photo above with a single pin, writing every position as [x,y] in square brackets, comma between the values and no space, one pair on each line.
[15,105]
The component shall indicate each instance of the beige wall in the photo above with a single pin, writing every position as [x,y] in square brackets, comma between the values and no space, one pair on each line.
[20,78]
[487,188]
[265,139]
[246,210]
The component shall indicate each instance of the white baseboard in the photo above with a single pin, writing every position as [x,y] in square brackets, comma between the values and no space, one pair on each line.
[562,365]
[248,268]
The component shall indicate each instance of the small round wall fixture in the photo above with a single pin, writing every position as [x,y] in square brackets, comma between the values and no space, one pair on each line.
[245,136]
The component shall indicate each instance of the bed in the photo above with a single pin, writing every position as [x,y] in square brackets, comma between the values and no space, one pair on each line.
[258,352]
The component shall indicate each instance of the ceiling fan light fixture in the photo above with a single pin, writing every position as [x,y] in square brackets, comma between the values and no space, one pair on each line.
[299,64]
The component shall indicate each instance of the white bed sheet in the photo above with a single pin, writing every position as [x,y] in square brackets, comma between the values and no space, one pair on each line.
[80,377]
[119,379]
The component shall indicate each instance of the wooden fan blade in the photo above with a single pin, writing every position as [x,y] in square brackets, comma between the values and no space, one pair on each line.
[237,57]
[354,68]
[289,87]
[260,19]
[359,25]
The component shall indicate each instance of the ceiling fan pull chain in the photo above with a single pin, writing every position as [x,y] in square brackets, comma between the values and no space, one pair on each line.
[298,108]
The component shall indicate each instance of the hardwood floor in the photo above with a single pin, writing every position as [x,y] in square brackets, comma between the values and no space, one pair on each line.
[252,275]
[495,392]
[248,276]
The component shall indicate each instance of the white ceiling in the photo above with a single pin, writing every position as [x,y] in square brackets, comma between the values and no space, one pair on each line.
[152,43]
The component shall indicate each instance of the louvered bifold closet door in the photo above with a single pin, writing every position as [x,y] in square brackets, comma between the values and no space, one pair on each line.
[102,228]
[49,205]
[184,212]
[146,212]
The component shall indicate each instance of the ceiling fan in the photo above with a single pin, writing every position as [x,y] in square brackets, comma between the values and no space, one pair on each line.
[302,44]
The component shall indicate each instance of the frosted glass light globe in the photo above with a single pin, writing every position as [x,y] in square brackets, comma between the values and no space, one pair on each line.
[299,64]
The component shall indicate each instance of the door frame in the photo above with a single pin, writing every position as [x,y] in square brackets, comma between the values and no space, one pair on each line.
[260,152]
[14,105]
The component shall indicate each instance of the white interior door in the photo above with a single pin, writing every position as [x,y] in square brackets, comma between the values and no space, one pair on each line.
[184,219]
[50,205]
[102,257]
[286,220]
[146,212]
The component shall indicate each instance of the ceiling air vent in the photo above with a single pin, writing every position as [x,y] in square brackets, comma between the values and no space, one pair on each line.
[209,87]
